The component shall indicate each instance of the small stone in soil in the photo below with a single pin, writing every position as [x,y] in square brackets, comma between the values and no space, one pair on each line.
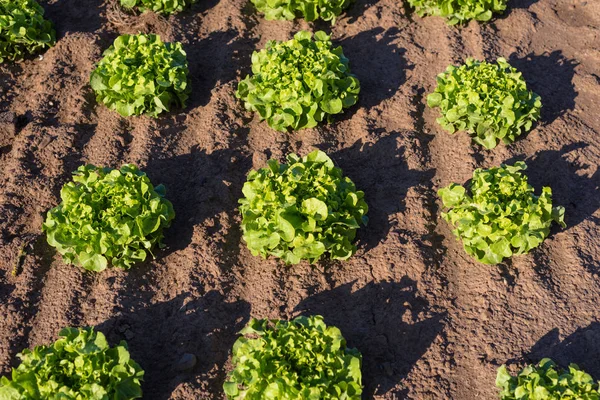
[129,335]
[187,361]
[387,367]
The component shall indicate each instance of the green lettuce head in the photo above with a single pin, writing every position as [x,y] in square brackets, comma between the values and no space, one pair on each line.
[310,10]
[23,29]
[301,210]
[547,381]
[140,74]
[302,359]
[108,217]
[299,83]
[80,365]
[159,6]
[490,101]
[500,216]
[459,11]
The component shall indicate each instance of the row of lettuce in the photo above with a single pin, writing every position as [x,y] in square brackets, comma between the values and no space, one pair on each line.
[304,209]
[272,359]
[302,82]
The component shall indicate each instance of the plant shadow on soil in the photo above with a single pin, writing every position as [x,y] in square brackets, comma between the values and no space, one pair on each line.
[582,347]
[516,4]
[380,170]
[158,335]
[217,59]
[75,15]
[200,185]
[379,65]
[357,10]
[384,321]
[550,75]
[579,194]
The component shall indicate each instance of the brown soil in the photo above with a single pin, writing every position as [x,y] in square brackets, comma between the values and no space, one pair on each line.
[430,322]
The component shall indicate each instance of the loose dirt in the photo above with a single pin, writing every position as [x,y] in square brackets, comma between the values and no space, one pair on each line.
[430,322]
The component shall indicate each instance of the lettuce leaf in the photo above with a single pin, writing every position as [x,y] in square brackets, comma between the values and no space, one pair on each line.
[310,10]
[159,6]
[490,101]
[23,29]
[459,11]
[547,382]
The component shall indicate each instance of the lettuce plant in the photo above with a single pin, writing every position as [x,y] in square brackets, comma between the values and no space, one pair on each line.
[301,210]
[310,10]
[501,216]
[159,6]
[302,359]
[80,365]
[108,216]
[547,382]
[140,74]
[459,11]
[23,29]
[489,100]
[298,83]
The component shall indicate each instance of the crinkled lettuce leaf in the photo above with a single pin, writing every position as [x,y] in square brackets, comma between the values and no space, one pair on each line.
[140,74]
[546,381]
[23,29]
[159,6]
[459,11]
[310,10]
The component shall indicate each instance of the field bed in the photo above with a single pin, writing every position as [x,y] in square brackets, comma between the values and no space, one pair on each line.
[430,322]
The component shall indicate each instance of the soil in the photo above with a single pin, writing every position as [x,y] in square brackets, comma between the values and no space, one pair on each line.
[430,322]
